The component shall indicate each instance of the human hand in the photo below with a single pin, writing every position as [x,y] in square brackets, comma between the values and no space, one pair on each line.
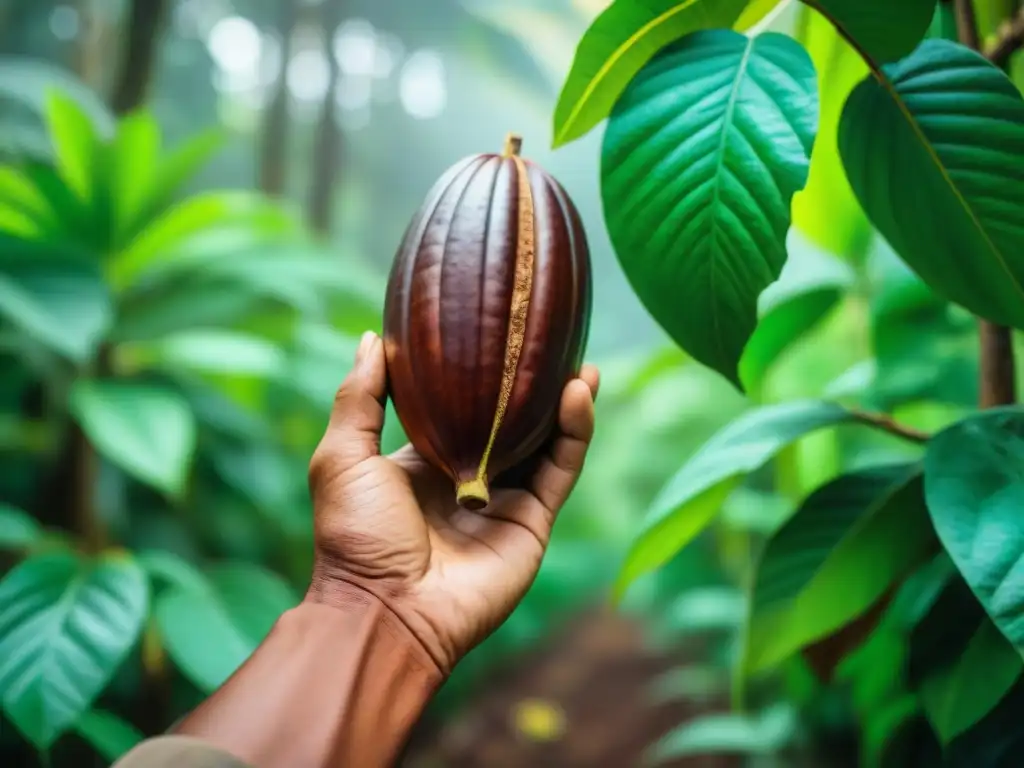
[390,525]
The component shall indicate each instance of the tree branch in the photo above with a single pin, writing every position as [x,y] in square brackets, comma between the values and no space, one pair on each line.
[886,423]
[998,383]
[274,139]
[1009,39]
[967,24]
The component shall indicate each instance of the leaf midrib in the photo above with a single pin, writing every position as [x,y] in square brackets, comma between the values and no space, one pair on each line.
[609,64]
[915,127]
[723,139]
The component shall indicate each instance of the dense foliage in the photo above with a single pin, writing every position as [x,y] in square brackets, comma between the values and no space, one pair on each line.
[893,575]
[818,201]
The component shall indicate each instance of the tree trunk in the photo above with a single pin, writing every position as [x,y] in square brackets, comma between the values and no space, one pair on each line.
[138,57]
[327,141]
[274,139]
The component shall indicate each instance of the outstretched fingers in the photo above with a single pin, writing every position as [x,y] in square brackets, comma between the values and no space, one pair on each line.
[560,469]
[353,432]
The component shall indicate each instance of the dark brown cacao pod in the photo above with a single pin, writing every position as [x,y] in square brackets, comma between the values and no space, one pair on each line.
[486,317]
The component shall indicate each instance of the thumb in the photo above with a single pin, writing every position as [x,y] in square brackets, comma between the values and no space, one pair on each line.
[353,432]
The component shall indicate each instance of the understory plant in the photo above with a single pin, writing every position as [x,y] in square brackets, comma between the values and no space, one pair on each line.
[835,184]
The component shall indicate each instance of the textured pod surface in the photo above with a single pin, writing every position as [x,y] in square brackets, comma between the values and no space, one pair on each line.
[486,317]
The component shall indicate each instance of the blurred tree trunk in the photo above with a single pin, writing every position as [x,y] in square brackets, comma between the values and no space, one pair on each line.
[93,43]
[274,141]
[138,55]
[327,141]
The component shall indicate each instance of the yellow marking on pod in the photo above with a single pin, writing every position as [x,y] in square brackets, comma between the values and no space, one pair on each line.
[474,494]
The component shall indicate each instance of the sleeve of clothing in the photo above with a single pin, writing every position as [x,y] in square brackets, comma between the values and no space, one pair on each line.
[177,752]
[333,685]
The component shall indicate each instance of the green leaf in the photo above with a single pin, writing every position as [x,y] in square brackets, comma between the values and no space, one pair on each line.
[19,196]
[193,217]
[810,286]
[210,632]
[826,210]
[758,11]
[181,165]
[75,145]
[136,153]
[884,30]
[849,542]
[764,734]
[166,568]
[934,150]
[53,295]
[973,486]
[109,735]
[212,351]
[18,529]
[147,431]
[66,624]
[690,500]
[166,177]
[701,159]
[619,42]
[956,698]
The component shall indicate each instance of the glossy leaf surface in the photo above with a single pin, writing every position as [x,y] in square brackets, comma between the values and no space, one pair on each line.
[146,430]
[66,624]
[701,159]
[973,486]
[691,499]
[615,47]
[935,153]
[850,542]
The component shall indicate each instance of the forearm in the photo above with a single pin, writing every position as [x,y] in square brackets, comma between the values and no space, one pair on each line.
[332,685]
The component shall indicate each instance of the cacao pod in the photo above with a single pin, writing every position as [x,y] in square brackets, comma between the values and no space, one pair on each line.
[486,317]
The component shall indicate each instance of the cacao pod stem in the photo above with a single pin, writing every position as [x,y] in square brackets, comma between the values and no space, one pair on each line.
[474,493]
[513,145]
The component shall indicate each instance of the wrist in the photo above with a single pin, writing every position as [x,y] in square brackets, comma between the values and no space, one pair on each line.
[336,682]
[354,595]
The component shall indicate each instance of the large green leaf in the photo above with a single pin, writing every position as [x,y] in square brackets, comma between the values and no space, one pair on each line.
[148,431]
[884,30]
[75,146]
[136,152]
[109,735]
[811,284]
[848,544]
[210,632]
[194,217]
[957,697]
[973,485]
[701,159]
[690,500]
[934,149]
[826,210]
[211,351]
[54,295]
[619,42]
[66,624]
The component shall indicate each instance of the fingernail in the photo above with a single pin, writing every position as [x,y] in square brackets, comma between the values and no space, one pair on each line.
[364,345]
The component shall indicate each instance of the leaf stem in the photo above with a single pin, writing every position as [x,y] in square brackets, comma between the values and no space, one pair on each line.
[998,382]
[886,423]
[1009,39]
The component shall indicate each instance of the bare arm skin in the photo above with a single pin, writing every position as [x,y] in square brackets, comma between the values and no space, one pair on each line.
[405,583]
